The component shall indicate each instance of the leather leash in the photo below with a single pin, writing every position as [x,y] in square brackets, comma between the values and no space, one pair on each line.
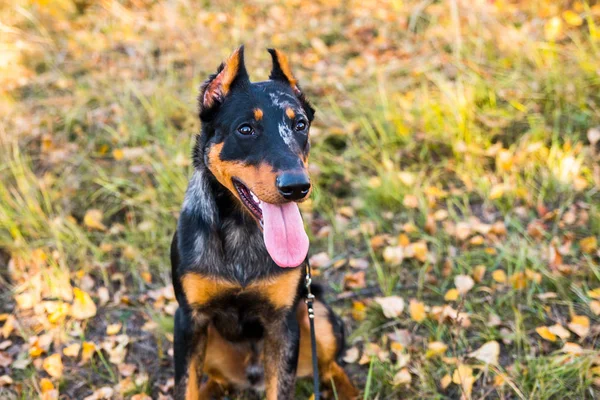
[311,319]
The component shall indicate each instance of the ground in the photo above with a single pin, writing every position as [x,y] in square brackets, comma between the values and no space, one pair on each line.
[456,216]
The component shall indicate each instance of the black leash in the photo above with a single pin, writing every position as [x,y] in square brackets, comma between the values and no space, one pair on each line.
[313,340]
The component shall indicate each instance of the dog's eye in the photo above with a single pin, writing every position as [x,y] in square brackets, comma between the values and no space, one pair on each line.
[300,125]
[246,129]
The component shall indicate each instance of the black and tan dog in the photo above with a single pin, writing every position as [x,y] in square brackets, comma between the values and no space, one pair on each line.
[240,246]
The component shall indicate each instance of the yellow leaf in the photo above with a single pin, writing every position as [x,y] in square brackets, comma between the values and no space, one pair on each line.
[589,244]
[93,220]
[504,160]
[479,273]
[393,255]
[518,280]
[53,365]
[46,385]
[463,376]
[420,250]
[572,18]
[580,324]
[72,350]
[595,307]
[113,329]
[446,381]
[553,29]
[499,276]
[499,380]
[545,333]
[359,310]
[88,350]
[417,310]
[451,295]
[488,353]
[594,294]
[463,283]
[83,306]
[118,154]
[435,349]
[496,192]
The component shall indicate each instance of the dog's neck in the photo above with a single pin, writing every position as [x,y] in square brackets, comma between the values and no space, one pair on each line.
[218,236]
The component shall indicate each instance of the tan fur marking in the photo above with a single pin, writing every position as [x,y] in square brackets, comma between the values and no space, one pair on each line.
[290,113]
[191,391]
[279,290]
[200,289]
[258,114]
[230,71]
[221,83]
[285,68]
[326,342]
[222,363]
[260,179]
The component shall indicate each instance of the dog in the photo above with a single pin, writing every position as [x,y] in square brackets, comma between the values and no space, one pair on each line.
[240,246]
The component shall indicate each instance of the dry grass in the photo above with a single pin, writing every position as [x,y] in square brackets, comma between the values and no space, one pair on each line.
[453,139]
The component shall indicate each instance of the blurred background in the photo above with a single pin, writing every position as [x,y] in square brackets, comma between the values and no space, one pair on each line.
[457,209]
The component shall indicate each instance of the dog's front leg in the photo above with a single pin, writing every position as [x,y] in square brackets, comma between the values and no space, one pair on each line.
[281,345]
[191,337]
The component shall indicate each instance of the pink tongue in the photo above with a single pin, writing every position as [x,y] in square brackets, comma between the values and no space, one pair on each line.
[284,234]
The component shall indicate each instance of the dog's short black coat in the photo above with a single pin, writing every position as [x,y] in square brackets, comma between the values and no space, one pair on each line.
[235,302]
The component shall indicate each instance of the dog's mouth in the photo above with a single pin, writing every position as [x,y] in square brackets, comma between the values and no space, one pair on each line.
[249,200]
[282,226]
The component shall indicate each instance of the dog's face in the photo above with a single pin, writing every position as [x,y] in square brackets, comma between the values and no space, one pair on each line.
[257,146]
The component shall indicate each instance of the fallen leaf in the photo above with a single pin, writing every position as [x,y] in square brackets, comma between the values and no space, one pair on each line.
[355,280]
[88,350]
[53,365]
[141,396]
[410,201]
[559,331]
[419,249]
[553,29]
[392,306]
[72,350]
[5,380]
[499,276]
[488,353]
[451,295]
[594,294]
[463,283]
[446,381]
[436,349]
[113,329]
[589,245]
[572,18]
[463,376]
[595,307]
[359,310]
[393,255]
[104,393]
[320,260]
[518,280]
[46,385]
[83,306]
[580,324]
[93,220]
[351,355]
[402,377]
[417,310]
[479,273]
[545,333]
[572,348]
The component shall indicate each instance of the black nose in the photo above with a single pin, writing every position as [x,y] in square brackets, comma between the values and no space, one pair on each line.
[293,185]
[254,373]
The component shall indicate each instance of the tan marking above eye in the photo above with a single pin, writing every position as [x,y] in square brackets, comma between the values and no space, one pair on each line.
[290,113]
[258,114]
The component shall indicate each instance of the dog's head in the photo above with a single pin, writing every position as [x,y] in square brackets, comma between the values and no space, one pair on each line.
[255,143]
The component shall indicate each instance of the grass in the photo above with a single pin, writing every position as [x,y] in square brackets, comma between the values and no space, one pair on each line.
[464,128]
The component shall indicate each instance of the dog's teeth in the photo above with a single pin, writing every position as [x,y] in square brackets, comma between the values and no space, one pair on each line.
[254,197]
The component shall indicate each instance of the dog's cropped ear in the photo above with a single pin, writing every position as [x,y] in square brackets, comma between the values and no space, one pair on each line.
[282,72]
[231,73]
